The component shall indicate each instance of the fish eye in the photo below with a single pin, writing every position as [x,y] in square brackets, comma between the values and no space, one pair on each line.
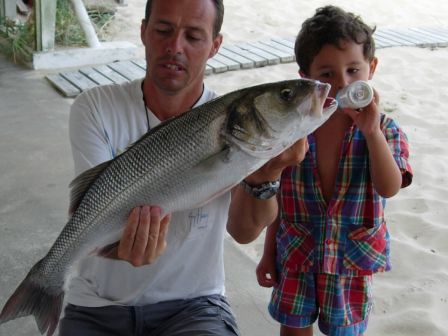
[286,94]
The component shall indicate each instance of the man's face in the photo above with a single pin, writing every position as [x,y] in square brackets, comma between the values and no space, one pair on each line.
[178,38]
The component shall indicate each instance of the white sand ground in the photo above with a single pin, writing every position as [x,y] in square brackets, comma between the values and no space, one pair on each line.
[412,299]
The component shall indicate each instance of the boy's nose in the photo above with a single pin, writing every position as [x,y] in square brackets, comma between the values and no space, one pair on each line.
[342,82]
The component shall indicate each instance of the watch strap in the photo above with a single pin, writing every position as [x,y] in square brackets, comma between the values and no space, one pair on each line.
[261,191]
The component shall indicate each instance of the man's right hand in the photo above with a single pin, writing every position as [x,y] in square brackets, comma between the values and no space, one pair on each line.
[143,238]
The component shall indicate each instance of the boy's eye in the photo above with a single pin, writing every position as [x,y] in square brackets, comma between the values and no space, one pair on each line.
[325,75]
[353,70]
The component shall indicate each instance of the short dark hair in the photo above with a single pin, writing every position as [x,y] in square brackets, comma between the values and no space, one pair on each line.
[331,25]
[219,6]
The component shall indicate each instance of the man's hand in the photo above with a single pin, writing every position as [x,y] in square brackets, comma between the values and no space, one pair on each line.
[273,168]
[143,238]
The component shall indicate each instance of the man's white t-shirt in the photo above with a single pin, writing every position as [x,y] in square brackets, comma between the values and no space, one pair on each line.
[104,121]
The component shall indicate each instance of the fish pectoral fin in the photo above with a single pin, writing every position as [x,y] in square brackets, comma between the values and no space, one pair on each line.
[109,251]
[82,183]
[259,151]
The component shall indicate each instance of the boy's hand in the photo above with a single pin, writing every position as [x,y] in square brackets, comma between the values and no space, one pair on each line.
[368,118]
[266,272]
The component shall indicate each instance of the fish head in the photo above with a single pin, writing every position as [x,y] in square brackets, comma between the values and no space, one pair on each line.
[266,119]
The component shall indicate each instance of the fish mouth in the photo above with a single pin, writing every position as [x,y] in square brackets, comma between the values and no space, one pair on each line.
[323,104]
[330,105]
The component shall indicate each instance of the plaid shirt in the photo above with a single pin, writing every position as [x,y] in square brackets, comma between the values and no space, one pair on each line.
[349,236]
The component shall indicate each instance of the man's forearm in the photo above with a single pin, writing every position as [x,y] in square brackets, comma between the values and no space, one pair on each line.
[248,216]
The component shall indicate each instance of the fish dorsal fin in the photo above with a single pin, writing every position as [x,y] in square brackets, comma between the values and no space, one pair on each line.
[82,183]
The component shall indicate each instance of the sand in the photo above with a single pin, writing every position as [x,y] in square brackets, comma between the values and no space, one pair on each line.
[412,299]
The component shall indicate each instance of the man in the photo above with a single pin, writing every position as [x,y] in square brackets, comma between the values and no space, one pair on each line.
[165,281]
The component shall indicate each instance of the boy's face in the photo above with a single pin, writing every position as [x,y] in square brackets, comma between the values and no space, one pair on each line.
[341,66]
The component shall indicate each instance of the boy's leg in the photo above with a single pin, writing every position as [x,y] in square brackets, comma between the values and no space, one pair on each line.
[289,331]
[345,304]
[293,301]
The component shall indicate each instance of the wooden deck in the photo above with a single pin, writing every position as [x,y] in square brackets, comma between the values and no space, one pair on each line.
[235,57]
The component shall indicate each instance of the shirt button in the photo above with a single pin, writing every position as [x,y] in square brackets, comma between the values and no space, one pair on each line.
[329,242]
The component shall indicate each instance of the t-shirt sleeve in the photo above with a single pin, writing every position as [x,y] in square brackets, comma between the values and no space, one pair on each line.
[399,145]
[88,137]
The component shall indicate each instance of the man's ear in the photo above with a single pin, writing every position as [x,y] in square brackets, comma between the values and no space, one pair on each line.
[373,64]
[217,41]
[142,31]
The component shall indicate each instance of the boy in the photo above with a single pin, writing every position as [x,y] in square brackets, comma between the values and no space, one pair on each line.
[330,235]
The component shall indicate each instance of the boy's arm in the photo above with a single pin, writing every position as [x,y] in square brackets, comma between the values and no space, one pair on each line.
[385,173]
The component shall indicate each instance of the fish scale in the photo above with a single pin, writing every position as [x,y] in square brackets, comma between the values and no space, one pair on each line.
[181,164]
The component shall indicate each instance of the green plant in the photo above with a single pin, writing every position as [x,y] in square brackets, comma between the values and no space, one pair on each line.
[68,31]
[17,39]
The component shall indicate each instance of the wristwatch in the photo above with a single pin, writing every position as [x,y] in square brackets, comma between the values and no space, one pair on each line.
[262,191]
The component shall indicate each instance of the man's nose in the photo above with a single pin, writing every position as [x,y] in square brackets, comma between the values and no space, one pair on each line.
[174,45]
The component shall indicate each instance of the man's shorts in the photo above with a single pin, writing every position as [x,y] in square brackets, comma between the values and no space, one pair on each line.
[341,303]
[207,315]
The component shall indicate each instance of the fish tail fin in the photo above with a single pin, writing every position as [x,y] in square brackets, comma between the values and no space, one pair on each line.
[30,298]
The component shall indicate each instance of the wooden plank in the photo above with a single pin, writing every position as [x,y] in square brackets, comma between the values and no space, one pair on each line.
[283,56]
[230,63]
[383,42]
[436,30]
[285,42]
[79,80]
[208,70]
[278,46]
[217,67]
[405,36]
[128,70]
[271,58]
[244,62]
[258,61]
[399,41]
[45,15]
[386,41]
[94,75]
[111,74]
[64,86]
[379,44]
[140,62]
[419,38]
[437,33]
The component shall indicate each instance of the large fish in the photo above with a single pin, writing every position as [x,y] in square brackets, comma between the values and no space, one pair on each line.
[183,163]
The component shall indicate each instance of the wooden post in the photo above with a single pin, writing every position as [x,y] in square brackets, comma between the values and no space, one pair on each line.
[45,11]
[8,9]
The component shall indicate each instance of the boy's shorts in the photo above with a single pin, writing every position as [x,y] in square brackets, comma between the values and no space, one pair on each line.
[342,303]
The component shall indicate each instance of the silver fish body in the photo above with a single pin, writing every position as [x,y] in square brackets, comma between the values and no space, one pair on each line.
[181,164]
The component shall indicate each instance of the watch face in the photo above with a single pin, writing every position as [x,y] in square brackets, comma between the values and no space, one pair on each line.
[267,193]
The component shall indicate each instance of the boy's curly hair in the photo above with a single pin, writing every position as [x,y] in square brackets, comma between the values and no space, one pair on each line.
[331,25]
